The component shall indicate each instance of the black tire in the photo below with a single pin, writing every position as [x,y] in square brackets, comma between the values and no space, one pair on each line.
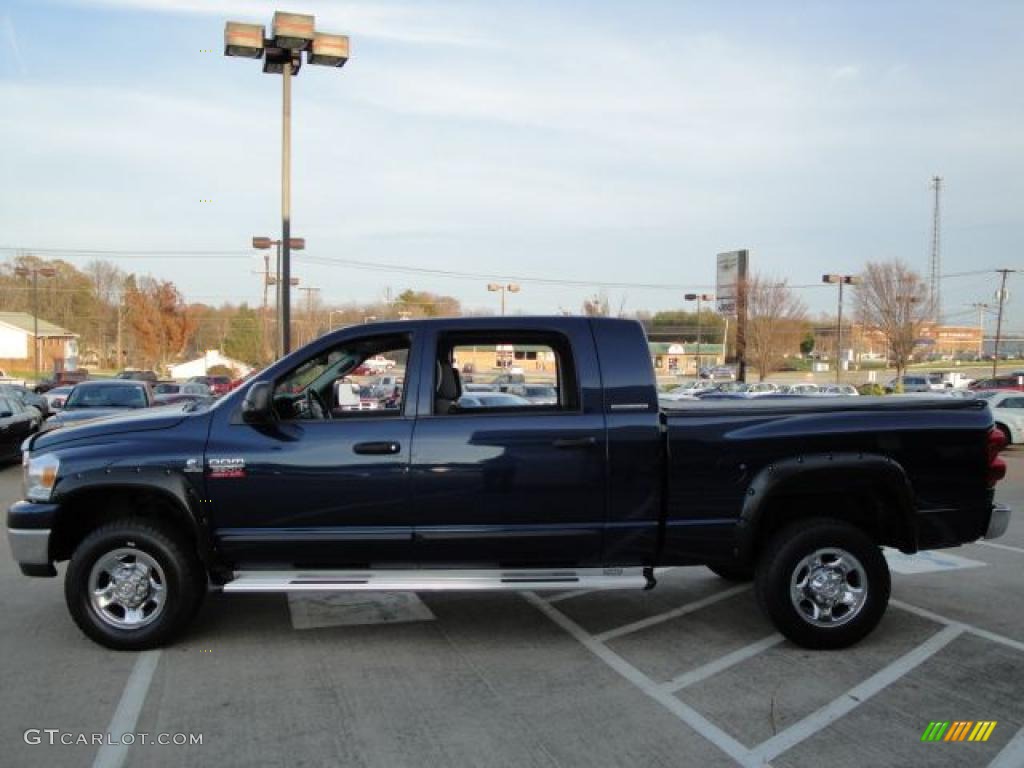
[781,562]
[175,566]
[732,571]
[1006,433]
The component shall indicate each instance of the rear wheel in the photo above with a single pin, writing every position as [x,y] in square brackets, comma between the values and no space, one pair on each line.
[133,584]
[823,583]
[1006,433]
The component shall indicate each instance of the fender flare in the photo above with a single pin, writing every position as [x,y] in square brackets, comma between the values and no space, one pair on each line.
[887,474]
[171,486]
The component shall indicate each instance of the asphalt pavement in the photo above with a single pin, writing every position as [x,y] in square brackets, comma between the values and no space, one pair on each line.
[690,674]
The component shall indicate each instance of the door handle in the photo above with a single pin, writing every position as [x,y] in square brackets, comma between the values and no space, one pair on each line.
[379,448]
[575,442]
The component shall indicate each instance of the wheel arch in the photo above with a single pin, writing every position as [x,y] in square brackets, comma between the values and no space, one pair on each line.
[871,491]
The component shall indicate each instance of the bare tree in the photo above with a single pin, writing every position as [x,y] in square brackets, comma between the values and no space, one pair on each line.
[892,300]
[775,323]
[597,305]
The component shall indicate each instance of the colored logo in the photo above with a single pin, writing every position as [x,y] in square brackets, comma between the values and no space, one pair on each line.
[958,730]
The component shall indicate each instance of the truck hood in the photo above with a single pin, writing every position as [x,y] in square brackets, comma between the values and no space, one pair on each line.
[93,425]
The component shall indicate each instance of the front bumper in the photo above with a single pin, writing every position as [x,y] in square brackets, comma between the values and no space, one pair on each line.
[29,525]
[999,522]
[31,550]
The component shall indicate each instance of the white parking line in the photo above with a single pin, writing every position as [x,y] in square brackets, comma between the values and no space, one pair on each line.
[1012,755]
[1007,547]
[855,696]
[688,715]
[126,715]
[675,613]
[970,628]
[568,596]
[721,663]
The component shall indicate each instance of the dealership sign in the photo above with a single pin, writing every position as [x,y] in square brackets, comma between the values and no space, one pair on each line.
[731,272]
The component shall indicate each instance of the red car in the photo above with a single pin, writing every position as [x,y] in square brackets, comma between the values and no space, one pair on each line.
[1000,382]
[219,385]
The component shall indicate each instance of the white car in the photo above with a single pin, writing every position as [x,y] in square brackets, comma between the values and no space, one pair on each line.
[1008,412]
[844,390]
[55,397]
[379,363]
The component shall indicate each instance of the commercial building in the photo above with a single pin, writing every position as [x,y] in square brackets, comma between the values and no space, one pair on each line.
[58,347]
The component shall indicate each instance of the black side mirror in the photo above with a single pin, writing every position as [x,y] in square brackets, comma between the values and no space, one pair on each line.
[257,407]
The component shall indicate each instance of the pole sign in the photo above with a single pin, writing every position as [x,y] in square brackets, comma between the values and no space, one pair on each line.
[731,272]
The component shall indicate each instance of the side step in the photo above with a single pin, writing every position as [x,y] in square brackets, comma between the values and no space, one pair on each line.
[414,580]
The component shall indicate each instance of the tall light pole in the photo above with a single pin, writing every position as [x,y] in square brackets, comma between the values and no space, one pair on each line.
[1001,295]
[293,33]
[34,273]
[699,298]
[840,280]
[502,288]
[982,307]
[283,333]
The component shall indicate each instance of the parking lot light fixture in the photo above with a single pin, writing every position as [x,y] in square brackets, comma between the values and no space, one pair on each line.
[292,33]
[700,298]
[840,280]
[502,289]
[34,273]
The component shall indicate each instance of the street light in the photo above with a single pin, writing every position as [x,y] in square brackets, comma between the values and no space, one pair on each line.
[699,298]
[35,272]
[293,33]
[840,280]
[511,288]
[294,243]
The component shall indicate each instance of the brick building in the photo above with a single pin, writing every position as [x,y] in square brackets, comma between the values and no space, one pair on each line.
[58,347]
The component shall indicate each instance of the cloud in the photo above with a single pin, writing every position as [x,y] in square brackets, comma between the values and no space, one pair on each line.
[416,23]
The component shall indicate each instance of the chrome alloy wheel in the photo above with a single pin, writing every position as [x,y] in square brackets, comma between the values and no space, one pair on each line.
[127,588]
[829,587]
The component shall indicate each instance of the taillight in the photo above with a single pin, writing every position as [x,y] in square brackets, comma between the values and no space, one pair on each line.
[996,466]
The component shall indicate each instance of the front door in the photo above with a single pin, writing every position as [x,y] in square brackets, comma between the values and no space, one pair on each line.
[325,485]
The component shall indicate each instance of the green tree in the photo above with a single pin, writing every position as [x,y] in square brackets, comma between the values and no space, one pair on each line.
[244,340]
[807,344]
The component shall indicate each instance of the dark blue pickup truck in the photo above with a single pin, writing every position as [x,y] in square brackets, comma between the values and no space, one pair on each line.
[297,482]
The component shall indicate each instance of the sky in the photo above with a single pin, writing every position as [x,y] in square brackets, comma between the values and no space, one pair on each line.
[569,146]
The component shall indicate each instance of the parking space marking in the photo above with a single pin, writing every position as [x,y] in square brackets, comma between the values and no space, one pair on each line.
[675,613]
[1012,755]
[721,663]
[568,595]
[927,562]
[856,696]
[113,754]
[978,631]
[687,714]
[1007,547]
[315,610]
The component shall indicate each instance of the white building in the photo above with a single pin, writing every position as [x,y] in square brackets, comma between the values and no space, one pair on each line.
[58,347]
[201,365]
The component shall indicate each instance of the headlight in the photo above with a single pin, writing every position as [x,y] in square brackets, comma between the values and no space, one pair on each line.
[40,476]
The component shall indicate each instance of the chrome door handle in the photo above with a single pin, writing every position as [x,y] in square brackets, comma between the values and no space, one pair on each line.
[377,448]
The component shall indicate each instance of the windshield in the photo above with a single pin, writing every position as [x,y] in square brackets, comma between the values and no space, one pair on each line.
[108,396]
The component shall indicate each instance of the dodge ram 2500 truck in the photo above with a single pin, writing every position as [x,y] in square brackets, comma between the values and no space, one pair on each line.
[276,488]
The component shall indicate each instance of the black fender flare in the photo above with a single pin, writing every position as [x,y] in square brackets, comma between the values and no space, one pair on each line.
[888,475]
[173,487]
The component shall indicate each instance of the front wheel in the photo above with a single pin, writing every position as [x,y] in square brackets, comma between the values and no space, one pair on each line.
[823,583]
[133,584]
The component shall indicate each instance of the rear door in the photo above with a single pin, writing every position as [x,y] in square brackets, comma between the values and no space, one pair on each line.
[517,484]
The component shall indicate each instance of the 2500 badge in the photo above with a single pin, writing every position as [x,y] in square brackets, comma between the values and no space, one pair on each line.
[231,467]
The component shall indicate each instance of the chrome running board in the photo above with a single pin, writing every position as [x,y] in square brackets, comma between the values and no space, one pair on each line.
[414,580]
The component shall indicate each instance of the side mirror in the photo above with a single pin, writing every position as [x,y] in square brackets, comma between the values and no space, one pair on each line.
[5,414]
[257,407]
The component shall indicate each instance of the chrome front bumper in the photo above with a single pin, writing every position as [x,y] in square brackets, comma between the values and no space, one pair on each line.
[998,523]
[30,547]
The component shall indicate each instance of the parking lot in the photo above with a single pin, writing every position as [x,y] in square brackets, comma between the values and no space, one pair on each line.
[688,674]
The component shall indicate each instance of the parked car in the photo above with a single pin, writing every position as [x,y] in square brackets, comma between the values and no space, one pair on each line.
[219,385]
[762,388]
[491,400]
[802,492]
[27,397]
[1000,382]
[169,393]
[844,390]
[136,374]
[99,398]
[540,394]
[803,388]
[17,422]
[6,379]
[60,379]
[55,397]
[909,384]
[384,386]
[471,386]
[509,381]
[719,373]
[1008,410]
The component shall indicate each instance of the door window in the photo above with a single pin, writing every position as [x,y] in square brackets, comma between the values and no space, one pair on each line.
[504,372]
[342,382]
